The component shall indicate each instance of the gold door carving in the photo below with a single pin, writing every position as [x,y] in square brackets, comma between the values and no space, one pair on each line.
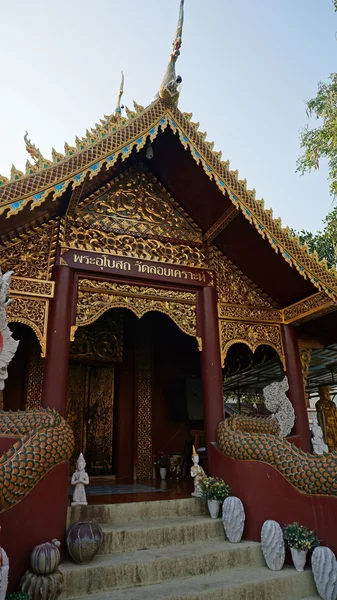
[90,414]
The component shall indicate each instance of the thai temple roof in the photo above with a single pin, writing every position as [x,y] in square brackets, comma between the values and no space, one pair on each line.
[30,198]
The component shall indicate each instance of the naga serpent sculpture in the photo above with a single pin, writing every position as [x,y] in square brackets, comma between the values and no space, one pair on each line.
[44,441]
[258,439]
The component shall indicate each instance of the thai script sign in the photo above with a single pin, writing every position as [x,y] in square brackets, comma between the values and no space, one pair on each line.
[140,269]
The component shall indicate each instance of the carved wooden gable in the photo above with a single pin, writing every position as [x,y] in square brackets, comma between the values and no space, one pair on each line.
[134,216]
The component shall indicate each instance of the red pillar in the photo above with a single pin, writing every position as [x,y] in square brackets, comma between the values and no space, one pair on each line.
[211,367]
[296,388]
[54,394]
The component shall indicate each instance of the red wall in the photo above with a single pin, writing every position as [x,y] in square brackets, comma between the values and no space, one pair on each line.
[39,518]
[267,495]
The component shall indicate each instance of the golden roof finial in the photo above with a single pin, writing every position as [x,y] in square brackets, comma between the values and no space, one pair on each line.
[118,109]
[32,150]
[169,88]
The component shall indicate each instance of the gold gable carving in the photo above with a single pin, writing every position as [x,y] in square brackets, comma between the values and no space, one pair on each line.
[234,287]
[136,204]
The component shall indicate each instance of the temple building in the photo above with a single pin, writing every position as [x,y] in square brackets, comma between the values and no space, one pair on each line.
[144,272]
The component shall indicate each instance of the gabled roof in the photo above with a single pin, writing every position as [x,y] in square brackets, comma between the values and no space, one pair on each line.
[116,138]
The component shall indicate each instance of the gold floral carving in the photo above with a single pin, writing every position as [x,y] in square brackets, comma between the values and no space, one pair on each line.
[128,246]
[96,297]
[35,376]
[240,312]
[32,254]
[144,402]
[101,341]
[233,286]
[305,356]
[315,305]
[135,203]
[31,287]
[253,335]
[32,312]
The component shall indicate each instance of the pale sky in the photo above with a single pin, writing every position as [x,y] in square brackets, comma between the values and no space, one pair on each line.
[247,68]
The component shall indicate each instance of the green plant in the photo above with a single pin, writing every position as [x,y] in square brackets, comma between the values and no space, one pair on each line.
[214,488]
[17,596]
[299,537]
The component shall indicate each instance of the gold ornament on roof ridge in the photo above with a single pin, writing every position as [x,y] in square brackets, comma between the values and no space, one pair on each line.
[169,87]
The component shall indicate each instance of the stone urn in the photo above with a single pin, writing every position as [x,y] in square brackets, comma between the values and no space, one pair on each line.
[83,541]
[42,587]
[299,558]
[213,507]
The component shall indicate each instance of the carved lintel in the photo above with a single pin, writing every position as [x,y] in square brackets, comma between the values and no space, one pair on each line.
[251,334]
[32,312]
[96,297]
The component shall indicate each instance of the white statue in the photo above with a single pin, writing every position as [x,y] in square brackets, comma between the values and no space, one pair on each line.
[8,345]
[197,472]
[4,568]
[277,402]
[318,443]
[80,479]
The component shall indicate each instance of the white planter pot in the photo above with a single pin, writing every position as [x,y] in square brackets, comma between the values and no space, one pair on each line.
[163,472]
[299,557]
[213,507]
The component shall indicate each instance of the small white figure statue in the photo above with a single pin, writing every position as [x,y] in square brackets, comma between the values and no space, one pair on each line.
[318,444]
[80,479]
[4,568]
[197,472]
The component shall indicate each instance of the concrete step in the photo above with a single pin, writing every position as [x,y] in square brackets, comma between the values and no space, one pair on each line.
[137,511]
[146,567]
[129,537]
[235,584]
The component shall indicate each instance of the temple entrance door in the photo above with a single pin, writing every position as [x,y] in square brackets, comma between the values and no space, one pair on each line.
[90,414]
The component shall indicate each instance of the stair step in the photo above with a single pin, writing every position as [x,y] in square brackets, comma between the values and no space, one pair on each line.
[129,537]
[137,511]
[145,567]
[236,584]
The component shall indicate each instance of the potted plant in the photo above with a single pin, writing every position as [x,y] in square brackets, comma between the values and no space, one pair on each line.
[299,539]
[215,491]
[162,461]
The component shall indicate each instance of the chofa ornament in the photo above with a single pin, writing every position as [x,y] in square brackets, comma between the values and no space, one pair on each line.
[83,541]
[272,544]
[277,402]
[233,517]
[324,570]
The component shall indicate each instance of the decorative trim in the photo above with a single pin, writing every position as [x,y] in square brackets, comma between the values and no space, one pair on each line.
[253,314]
[221,224]
[253,335]
[96,297]
[35,377]
[32,312]
[25,286]
[144,404]
[317,304]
